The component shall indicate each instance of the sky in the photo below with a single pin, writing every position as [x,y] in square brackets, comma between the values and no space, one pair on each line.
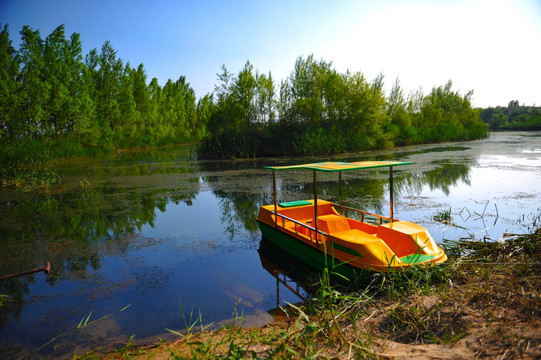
[492,47]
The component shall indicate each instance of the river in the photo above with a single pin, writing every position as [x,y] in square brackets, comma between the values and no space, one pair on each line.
[142,242]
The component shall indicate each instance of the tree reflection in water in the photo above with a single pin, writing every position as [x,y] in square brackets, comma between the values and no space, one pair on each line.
[75,226]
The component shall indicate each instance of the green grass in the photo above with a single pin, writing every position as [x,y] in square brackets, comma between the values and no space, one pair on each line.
[443,217]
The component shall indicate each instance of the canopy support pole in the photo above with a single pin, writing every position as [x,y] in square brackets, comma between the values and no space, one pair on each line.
[274,194]
[340,189]
[315,207]
[391,191]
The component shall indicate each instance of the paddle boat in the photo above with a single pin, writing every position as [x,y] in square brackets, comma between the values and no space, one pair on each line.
[345,240]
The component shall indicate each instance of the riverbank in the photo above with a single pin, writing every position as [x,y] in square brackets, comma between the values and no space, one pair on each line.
[483,303]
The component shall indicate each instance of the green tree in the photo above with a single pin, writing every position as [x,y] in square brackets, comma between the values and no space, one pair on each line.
[243,92]
[125,132]
[9,70]
[205,107]
[107,84]
[153,112]
[233,123]
[449,116]
[79,112]
[265,101]
[307,84]
[365,112]
[497,121]
[57,75]
[33,90]
[400,121]
[396,102]
[141,96]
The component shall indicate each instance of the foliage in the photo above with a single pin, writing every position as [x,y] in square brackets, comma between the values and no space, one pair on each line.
[512,117]
[243,105]
[49,92]
[320,111]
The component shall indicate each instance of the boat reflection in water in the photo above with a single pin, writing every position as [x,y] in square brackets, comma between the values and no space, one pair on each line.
[290,273]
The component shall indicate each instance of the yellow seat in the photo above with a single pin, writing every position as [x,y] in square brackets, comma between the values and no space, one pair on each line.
[356,236]
[332,223]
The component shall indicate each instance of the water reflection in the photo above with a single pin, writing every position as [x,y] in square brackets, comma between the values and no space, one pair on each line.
[76,227]
[366,190]
[290,274]
[443,177]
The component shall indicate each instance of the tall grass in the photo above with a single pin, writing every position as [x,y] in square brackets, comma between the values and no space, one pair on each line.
[32,163]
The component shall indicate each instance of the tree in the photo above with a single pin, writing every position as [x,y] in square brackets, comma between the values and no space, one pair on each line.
[513,103]
[56,74]
[107,82]
[48,93]
[153,113]
[265,102]
[400,121]
[80,108]
[205,107]
[33,91]
[307,84]
[395,101]
[126,128]
[9,69]
[141,95]
[497,120]
[232,124]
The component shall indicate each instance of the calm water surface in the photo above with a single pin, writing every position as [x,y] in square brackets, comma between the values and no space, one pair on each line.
[155,240]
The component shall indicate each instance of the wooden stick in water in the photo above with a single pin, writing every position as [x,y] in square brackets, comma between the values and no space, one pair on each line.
[45,269]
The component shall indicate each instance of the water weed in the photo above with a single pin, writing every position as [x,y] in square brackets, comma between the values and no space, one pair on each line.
[443,217]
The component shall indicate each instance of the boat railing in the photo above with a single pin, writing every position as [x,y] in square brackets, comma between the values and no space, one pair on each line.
[362,214]
[312,230]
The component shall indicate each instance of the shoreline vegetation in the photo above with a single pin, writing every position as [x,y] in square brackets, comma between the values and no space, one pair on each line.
[483,303]
[55,103]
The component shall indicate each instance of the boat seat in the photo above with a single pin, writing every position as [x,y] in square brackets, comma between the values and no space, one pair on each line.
[294,203]
[332,223]
[356,236]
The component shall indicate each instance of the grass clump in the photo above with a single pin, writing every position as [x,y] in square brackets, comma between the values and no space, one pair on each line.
[443,217]
[28,164]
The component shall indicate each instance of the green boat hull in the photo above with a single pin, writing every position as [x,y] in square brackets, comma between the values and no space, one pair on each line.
[310,255]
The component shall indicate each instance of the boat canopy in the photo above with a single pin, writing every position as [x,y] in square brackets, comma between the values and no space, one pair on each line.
[333,166]
[337,166]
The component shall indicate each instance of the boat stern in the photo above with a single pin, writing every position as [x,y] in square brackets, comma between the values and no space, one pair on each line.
[412,243]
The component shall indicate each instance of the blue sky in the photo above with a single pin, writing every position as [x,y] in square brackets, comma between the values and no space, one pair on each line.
[490,46]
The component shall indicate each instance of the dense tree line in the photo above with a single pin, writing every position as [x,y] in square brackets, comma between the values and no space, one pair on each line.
[49,93]
[512,117]
[52,97]
[317,110]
